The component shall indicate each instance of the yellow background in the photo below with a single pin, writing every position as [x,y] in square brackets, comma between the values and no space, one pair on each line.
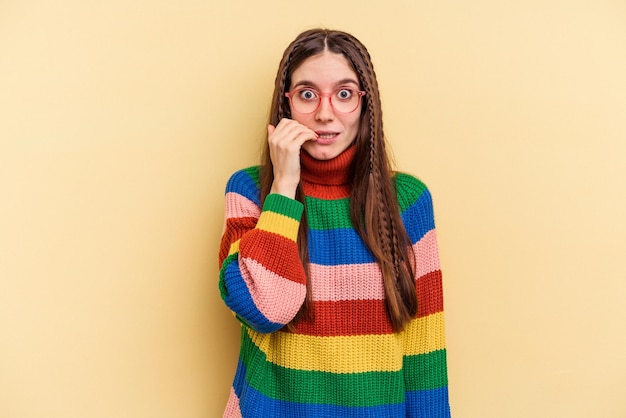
[120,122]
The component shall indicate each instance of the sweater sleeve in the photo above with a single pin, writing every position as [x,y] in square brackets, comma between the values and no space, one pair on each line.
[262,279]
[425,369]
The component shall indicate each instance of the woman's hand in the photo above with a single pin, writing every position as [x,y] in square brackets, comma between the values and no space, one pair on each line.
[285,141]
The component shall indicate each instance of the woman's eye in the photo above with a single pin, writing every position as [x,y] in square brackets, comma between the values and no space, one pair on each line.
[307,95]
[344,94]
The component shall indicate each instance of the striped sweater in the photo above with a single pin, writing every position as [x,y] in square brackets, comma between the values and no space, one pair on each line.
[347,361]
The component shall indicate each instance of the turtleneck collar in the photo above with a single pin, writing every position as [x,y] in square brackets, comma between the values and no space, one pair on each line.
[327,179]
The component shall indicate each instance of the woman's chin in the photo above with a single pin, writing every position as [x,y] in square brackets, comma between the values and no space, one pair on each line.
[321,151]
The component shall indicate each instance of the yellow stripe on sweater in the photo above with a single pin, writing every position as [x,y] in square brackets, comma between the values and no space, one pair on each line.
[278,224]
[424,335]
[351,354]
[275,223]
[234,248]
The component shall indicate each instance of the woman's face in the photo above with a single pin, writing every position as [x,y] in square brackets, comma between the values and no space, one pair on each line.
[325,73]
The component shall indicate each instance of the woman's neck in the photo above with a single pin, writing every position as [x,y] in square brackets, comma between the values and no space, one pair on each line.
[327,179]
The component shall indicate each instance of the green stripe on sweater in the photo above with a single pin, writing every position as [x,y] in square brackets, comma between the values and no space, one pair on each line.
[408,189]
[430,370]
[285,206]
[222,285]
[304,386]
[328,214]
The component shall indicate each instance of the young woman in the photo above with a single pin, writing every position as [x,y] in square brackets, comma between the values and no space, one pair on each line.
[328,258]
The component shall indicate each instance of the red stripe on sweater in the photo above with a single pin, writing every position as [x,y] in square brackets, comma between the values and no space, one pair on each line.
[360,317]
[346,317]
[234,230]
[275,252]
[429,294]
[327,192]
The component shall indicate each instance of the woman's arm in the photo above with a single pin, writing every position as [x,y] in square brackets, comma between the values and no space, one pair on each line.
[425,369]
[262,279]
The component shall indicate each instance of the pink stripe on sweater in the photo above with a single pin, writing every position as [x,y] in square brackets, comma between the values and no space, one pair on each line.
[346,282]
[232,407]
[238,206]
[426,254]
[278,298]
[363,281]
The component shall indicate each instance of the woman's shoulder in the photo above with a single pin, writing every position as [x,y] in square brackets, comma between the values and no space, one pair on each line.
[409,189]
[245,182]
[249,174]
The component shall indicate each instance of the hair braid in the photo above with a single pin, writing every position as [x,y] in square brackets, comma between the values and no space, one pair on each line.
[377,211]
[380,210]
[281,103]
[280,83]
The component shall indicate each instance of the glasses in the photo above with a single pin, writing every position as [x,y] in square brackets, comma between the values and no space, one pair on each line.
[307,100]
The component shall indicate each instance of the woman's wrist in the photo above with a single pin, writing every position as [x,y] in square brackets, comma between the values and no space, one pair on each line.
[284,188]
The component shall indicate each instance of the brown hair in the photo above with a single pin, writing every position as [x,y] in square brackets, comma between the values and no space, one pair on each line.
[374,210]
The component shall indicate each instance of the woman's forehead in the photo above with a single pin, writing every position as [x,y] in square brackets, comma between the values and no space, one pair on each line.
[327,69]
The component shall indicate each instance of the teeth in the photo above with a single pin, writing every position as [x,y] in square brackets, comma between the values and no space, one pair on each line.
[327,136]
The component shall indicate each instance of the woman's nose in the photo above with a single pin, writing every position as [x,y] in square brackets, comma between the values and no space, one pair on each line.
[325,111]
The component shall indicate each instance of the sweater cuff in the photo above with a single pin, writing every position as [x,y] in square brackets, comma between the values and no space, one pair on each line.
[281,215]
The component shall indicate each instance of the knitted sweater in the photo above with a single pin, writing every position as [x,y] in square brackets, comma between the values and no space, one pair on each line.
[347,361]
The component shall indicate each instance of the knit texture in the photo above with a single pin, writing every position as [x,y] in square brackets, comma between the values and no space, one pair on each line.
[347,362]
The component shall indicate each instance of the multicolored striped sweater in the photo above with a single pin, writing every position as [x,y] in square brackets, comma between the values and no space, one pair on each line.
[347,361]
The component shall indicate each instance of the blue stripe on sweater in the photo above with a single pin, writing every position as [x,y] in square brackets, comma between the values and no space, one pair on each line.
[418,218]
[241,182]
[337,246]
[239,300]
[344,246]
[432,403]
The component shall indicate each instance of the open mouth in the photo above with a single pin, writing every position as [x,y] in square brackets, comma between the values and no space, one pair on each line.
[326,137]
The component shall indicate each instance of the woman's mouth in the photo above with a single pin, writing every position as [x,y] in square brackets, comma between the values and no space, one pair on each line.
[326,138]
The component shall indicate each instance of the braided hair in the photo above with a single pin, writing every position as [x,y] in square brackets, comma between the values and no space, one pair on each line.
[374,211]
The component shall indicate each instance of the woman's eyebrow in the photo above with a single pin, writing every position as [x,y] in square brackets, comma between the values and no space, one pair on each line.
[347,81]
[303,83]
[312,84]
